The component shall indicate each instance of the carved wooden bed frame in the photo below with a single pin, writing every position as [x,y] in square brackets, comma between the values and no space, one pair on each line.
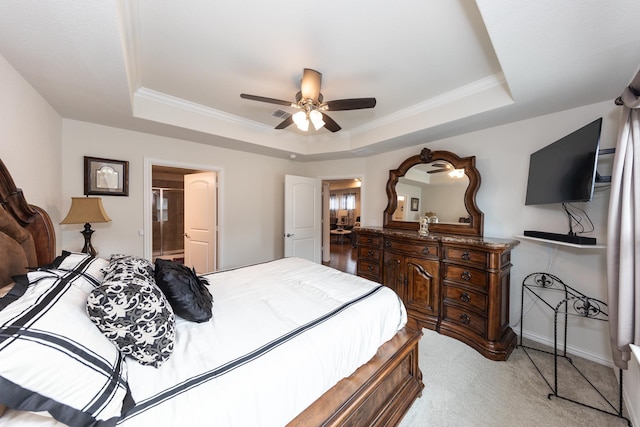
[379,393]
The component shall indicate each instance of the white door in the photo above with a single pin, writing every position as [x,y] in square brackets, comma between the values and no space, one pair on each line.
[200,220]
[326,226]
[399,214]
[302,217]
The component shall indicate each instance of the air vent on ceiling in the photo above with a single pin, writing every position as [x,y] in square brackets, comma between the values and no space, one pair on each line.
[281,114]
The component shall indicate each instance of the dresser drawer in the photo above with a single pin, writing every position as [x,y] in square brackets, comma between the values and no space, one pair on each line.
[465,297]
[369,240]
[369,268]
[372,253]
[466,275]
[467,318]
[462,255]
[412,248]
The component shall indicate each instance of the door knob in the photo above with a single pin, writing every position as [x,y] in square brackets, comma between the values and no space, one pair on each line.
[187,236]
[288,235]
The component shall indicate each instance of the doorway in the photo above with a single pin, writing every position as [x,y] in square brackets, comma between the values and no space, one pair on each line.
[167,221]
[168,211]
[341,213]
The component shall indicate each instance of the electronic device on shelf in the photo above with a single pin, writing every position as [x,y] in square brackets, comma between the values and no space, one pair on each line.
[567,238]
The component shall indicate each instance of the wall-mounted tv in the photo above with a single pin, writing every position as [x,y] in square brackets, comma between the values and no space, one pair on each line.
[565,171]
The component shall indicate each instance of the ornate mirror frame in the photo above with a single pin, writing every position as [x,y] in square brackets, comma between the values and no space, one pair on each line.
[473,228]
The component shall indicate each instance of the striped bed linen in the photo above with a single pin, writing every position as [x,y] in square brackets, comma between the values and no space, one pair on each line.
[282,333]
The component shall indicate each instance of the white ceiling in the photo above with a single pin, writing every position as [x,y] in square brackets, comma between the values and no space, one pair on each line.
[437,68]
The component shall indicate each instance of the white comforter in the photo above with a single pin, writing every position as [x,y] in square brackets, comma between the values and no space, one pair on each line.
[282,334]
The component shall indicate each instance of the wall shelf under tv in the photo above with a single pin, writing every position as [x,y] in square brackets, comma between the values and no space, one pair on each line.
[555,242]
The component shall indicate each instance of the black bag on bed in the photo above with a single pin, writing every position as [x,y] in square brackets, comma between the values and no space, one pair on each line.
[186,291]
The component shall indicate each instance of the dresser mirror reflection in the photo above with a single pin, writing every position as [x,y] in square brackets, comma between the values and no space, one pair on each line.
[439,185]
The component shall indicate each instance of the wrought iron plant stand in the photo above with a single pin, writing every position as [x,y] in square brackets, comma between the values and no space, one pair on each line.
[573,303]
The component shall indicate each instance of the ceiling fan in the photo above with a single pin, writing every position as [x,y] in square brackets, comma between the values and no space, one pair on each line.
[309,101]
[446,167]
[441,167]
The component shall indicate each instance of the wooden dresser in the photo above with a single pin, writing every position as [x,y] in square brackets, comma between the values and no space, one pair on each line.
[456,285]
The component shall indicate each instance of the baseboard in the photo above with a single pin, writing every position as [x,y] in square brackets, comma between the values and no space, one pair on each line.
[631,389]
[570,349]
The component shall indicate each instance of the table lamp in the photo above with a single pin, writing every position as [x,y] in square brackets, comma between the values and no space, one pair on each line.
[86,210]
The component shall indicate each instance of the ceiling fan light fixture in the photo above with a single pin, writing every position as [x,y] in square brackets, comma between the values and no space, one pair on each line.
[311,103]
[316,119]
[456,173]
[301,120]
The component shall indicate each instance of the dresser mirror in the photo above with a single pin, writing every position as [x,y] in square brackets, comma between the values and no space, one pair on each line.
[438,185]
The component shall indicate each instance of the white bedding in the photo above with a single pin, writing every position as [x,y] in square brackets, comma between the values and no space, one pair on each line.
[282,334]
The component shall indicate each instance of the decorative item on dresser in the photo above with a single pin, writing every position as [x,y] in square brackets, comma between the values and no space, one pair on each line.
[450,278]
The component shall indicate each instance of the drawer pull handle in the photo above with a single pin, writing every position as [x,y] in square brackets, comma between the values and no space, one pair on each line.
[425,250]
[369,240]
[387,244]
[466,276]
[370,252]
[465,297]
[466,256]
[370,267]
[465,318]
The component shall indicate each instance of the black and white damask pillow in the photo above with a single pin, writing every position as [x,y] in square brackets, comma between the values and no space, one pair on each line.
[133,313]
[127,267]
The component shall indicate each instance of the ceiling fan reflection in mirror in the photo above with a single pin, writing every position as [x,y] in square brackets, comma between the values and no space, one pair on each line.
[309,101]
[447,167]
[441,167]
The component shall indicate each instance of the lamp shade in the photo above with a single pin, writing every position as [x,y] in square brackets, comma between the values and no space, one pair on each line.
[300,119]
[86,210]
[316,118]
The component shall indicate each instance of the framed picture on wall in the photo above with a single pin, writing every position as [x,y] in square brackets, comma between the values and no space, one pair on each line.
[414,203]
[106,177]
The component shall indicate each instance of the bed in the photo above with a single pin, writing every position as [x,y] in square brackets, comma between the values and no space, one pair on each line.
[283,347]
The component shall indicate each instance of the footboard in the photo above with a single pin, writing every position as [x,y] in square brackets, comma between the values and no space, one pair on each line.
[377,394]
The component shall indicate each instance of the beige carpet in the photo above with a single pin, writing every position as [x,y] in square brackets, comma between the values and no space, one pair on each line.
[464,389]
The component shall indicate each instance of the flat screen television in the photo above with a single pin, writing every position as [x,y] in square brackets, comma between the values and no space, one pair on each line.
[565,171]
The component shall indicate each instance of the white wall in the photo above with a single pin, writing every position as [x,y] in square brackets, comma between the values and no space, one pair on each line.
[251,193]
[31,141]
[445,200]
[502,157]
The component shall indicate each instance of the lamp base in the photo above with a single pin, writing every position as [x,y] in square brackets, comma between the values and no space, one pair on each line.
[88,248]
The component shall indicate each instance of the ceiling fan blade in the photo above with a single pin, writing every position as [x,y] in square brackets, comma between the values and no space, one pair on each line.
[310,84]
[286,122]
[442,165]
[265,99]
[438,170]
[330,124]
[350,104]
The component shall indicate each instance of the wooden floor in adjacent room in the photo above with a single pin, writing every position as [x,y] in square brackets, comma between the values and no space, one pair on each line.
[343,257]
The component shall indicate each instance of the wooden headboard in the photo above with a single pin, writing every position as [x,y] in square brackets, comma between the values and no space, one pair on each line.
[25,225]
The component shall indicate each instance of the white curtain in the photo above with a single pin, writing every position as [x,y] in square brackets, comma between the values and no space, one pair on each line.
[346,201]
[623,240]
[333,205]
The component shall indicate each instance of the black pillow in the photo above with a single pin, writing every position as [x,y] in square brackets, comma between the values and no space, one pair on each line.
[186,291]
